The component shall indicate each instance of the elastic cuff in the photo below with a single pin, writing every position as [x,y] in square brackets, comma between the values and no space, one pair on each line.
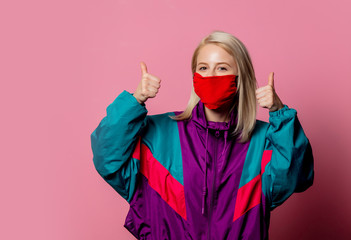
[279,112]
[131,98]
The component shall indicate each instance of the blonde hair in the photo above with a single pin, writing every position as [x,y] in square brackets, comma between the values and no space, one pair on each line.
[245,102]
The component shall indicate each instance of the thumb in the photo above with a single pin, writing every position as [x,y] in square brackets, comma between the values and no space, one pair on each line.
[271,79]
[143,68]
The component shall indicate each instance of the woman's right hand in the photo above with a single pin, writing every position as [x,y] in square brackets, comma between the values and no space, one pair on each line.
[148,86]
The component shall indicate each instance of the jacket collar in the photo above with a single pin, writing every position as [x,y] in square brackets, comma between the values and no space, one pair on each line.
[199,117]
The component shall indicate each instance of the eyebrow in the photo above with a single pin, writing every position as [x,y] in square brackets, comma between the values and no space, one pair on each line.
[216,63]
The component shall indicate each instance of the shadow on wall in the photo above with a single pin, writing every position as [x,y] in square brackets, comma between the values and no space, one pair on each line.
[323,211]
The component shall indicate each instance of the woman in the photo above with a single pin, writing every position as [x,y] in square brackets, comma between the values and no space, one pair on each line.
[212,171]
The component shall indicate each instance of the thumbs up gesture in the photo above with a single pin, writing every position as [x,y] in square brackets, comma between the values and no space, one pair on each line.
[267,97]
[148,86]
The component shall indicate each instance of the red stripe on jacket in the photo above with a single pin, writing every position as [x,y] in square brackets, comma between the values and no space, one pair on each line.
[249,195]
[160,179]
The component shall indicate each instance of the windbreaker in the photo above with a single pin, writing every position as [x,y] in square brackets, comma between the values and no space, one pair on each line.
[191,179]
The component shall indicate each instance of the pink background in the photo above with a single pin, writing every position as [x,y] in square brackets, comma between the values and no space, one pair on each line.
[63,62]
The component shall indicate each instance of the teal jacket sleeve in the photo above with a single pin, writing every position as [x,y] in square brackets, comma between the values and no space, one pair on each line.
[114,140]
[291,166]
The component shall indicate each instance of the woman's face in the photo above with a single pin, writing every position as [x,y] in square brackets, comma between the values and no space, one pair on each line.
[213,60]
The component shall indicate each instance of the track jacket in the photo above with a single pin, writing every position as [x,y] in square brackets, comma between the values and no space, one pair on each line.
[191,179]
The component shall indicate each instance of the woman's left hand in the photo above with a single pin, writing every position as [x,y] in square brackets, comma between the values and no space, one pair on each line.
[267,97]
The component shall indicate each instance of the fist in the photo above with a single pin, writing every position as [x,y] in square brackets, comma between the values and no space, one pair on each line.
[267,97]
[148,86]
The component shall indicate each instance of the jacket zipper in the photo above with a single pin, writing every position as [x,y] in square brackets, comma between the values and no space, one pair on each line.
[213,186]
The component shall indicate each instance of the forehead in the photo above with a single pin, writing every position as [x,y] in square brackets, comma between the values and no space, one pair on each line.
[213,53]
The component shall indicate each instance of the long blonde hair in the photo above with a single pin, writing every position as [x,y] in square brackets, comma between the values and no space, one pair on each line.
[246,97]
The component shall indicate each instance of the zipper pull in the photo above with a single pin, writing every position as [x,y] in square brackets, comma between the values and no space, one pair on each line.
[217,133]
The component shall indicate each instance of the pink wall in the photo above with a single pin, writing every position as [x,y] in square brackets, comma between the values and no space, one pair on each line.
[62,63]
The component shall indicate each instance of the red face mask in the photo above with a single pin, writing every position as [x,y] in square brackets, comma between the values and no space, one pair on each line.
[215,91]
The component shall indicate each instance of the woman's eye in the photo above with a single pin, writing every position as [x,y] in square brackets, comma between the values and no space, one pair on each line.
[222,68]
[202,68]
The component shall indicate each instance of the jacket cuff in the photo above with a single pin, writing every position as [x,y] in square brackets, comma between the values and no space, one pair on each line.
[282,115]
[131,99]
[280,112]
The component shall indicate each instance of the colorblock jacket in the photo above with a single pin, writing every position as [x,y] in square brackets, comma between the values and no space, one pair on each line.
[191,179]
